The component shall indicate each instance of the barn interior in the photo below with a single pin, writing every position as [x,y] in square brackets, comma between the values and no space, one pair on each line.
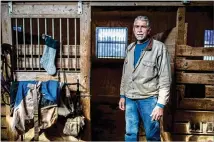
[186,28]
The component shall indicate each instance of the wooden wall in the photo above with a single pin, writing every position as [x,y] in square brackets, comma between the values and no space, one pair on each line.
[194,110]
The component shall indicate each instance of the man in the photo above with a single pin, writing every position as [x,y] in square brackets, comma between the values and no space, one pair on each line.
[145,83]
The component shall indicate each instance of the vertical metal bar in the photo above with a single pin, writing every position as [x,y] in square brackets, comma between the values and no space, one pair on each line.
[53,28]
[24,42]
[105,50]
[208,37]
[68,44]
[212,41]
[17,47]
[38,28]
[115,56]
[60,35]
[209,57]
[101,47]
[205,44]
[31,42]
[75,41]
[108,46]
[45,26]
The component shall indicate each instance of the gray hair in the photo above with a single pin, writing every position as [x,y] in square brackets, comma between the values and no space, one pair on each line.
[143,18]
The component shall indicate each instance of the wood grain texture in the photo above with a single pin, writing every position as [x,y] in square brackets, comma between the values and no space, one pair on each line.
[195,78]
[209,91]
[185,50]
[193,116]
[194,65]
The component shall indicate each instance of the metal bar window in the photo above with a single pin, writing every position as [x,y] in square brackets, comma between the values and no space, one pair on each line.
[111,42]
[209,42]
[27,37]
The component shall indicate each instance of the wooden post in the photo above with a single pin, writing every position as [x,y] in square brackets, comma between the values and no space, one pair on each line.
[7,38]
[180,23]
[85,65]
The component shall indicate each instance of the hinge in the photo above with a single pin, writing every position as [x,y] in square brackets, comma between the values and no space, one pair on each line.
[79,11]
[10,7]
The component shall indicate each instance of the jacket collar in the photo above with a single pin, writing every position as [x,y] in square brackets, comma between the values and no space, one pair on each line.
[148,48]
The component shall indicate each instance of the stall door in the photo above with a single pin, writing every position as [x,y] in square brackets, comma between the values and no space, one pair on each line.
[69,23]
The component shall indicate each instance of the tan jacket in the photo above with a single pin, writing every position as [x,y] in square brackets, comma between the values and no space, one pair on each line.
[151,76]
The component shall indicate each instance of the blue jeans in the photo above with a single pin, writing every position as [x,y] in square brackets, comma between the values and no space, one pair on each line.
[141,108]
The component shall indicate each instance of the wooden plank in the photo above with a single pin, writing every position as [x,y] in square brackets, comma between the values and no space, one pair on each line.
[4,134]
[146,3]
[188,138]
[3,122]
[28,50]
[3,110]
[185,128]
[185,33]
[43,76]
[50,10]
[119,3]
[197,104]
[180,89]
[196,65]
[181,128]
[209,91]
[195,78]
[180,93]
[85,66]
[185,50]
[193,116]
[36,62]
[180,23]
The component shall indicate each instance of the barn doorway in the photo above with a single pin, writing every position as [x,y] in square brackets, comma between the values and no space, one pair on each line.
[108,122]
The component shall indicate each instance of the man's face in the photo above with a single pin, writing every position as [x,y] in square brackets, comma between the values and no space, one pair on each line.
[141,30]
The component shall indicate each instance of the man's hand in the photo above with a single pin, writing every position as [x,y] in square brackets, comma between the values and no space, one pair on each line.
[157,113]
[122,104]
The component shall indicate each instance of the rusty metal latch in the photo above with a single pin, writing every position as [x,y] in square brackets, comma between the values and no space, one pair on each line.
[10,7]
[79,11]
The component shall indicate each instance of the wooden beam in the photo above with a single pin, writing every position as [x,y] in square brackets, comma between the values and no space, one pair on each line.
[185,33]
[193,116]
[195,78]
[209,91]
[138,3]
[180,23]
[4,134]
[197,104]
[185,50]
[117,3]
[196,65]
[38,50]
[36,63]
[191,138]
[85,66]
[45,11]
[180,93]
[3,122]
[183,128]
[43,76]
[3,110]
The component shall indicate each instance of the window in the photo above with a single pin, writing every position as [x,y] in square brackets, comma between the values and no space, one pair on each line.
[111,42]
[209,42]
[27,38]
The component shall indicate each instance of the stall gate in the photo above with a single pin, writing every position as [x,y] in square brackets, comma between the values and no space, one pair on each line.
[194,115]
[69,23]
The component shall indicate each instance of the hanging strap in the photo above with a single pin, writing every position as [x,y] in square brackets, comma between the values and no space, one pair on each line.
[36,98]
